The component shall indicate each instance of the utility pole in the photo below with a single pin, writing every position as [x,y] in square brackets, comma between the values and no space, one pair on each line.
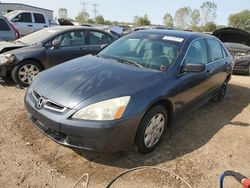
[95,9]
[83,6]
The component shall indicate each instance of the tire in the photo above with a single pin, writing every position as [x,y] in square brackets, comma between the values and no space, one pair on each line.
[221,94]
[150,134]
[248,71]
[24,72]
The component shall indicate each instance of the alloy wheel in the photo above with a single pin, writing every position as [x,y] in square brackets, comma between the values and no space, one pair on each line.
[27,73]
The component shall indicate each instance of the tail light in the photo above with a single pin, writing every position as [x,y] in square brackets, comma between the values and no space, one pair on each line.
[15,30]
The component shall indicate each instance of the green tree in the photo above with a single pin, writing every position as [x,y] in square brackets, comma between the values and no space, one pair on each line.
[208,11]
[140,21]
[91,21]
[209,27]
[82,17]
[182,18]
[240,20]
[168,20]
[99,19]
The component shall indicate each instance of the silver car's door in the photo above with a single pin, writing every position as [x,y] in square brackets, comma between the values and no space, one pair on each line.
[24,24]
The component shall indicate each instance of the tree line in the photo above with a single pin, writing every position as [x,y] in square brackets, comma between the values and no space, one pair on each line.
[185,18]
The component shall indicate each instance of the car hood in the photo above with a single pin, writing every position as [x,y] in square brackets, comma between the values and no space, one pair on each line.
[72,82]
[7,46]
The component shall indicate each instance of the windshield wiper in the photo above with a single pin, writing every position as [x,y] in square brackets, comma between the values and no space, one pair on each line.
[126,61]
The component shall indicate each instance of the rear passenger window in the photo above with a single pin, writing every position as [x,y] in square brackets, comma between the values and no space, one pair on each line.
[197,52]
[4,26]
[39,18]
[96,38]
[215,50]
[24,17]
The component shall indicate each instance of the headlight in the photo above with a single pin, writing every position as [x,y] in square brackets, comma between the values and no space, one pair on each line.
[6,59]
[106,110]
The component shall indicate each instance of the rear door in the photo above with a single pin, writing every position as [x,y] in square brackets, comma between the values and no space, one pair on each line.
[6,32]
[71,45]
[217,67]
[39,21]
[24,24]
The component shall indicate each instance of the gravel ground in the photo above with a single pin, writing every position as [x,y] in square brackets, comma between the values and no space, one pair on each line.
[198,147]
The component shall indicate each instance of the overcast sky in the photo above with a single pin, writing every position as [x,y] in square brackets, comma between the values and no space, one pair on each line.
[125,10]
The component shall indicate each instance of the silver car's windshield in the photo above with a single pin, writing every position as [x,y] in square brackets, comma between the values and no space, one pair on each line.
[38,36]
[149,50]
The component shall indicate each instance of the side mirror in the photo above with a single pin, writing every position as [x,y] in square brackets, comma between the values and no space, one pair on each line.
[193,67]
[56,43]
[15,20]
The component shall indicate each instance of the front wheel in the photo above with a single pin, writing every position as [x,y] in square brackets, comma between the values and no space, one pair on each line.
[151,129]
[24,72]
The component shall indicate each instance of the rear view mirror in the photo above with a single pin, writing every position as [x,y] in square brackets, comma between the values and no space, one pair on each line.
[193,67]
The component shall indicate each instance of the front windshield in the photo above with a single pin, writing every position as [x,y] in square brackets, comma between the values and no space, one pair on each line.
[38,36]
[154,51]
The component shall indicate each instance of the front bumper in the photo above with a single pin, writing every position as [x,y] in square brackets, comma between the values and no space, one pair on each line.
[241,68]
[5,70]
[104,136]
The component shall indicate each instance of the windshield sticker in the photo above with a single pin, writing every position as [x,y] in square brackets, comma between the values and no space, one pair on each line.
[175,39]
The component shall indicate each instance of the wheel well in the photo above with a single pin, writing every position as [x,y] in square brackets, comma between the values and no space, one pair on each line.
[167,104]
[228,77]
[30,59]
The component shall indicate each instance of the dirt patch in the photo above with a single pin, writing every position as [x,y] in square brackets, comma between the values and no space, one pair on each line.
[199,147]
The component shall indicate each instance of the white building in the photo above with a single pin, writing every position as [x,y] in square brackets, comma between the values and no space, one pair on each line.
[8,7]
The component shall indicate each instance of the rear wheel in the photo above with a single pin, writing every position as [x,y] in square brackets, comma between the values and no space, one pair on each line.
[151,129]
[221,94]
[24,72]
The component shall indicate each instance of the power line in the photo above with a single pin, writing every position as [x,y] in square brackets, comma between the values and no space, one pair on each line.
[84,4]
[95,9]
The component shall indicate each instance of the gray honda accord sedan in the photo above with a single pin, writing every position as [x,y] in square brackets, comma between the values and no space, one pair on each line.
[126,95]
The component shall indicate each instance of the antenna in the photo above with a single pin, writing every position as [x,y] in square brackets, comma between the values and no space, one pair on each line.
[95,9]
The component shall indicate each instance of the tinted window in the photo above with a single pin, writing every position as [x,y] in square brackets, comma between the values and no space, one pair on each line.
[24,17]
[215,50]
[74,38]
[197,52]
[99,38]
[39,18]
[4,26]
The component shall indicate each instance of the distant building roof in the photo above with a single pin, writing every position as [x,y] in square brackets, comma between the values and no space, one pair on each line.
[21,4]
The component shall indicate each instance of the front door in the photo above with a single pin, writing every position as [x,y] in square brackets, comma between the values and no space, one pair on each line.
[68,46]
[193,85]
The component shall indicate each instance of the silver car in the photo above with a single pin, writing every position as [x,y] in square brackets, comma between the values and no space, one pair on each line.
[7,31]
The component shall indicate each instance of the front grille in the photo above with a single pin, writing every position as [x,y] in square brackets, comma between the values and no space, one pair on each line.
[48,104]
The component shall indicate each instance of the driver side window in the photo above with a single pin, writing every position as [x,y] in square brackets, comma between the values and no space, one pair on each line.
[75,38]
[197,53]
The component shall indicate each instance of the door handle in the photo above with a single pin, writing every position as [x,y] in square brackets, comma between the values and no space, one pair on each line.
[30,25]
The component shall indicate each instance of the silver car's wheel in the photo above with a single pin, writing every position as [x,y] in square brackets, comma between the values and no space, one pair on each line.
[27,73]
[154,130]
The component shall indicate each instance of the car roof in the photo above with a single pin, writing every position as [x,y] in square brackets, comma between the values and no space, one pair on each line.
[177,33]
[30,11]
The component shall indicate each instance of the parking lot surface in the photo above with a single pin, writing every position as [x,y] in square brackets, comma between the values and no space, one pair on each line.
[199,146]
